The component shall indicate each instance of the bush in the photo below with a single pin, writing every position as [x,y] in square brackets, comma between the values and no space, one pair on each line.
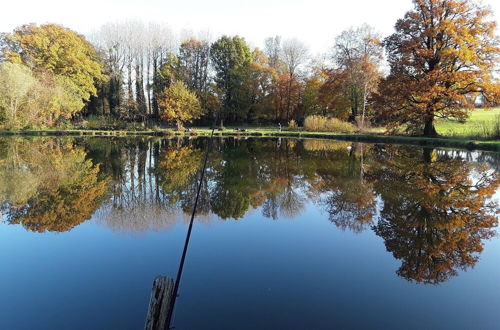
[95,122]
[324,124]
[292,124]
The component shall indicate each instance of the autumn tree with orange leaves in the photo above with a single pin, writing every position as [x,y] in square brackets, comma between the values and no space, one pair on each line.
[442,52]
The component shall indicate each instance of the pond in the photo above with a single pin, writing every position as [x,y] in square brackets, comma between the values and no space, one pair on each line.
[289,234]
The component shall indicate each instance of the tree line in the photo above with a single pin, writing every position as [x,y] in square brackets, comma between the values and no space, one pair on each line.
[440,59]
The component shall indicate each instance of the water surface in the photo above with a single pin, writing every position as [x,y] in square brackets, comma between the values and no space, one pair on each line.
[290,234]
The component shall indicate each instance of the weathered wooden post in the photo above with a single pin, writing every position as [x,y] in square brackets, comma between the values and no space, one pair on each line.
[159,303]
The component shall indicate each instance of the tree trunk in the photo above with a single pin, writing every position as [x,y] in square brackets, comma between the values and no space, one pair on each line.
[148,82]
[129,84]
[365,91]
[429,129]
[354,106]
[179,125]
[289,95]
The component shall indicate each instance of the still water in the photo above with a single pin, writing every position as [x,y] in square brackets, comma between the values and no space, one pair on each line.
[289,234]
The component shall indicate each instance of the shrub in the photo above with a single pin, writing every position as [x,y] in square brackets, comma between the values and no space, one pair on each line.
[324,124]
[99,122]
[292,124]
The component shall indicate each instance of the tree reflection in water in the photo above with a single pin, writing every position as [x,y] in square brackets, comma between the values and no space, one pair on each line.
[433,209]
[48,185]
[436,212]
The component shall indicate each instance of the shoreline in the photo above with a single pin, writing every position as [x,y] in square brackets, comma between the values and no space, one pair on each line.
[448,142]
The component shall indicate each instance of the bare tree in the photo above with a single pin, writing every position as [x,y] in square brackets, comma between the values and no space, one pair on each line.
[133,53]
[160,41]
[272,49]
[112,41]
[138,48]
[293,53]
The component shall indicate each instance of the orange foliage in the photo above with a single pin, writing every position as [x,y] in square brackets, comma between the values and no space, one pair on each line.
[442,52]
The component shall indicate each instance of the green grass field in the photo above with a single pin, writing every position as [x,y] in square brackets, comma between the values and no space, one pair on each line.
[482,123]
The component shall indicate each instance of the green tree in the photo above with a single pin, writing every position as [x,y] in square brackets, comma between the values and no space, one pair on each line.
[230,56]
[29,100]
[311,97]
[178,104]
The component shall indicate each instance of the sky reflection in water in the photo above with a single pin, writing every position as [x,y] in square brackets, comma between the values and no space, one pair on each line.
[290,234]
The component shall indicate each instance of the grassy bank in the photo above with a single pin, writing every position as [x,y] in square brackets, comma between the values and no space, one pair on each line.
[447,142]
[482,123]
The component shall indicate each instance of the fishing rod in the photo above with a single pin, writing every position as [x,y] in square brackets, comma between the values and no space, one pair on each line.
[190,228]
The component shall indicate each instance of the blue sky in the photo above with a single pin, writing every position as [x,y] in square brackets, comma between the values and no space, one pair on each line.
[315,22]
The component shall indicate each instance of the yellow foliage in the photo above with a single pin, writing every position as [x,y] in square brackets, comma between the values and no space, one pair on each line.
[179,105]
[57,50]
[323,124]
[49,184]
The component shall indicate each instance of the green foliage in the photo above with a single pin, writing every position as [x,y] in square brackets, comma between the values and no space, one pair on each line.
[230,57]
[323,124]
[102,123]
[168,72]
[311,97]
[179,105]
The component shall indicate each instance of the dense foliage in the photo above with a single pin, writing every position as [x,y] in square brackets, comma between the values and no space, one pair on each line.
[179,105]
[49,73]
[441,53]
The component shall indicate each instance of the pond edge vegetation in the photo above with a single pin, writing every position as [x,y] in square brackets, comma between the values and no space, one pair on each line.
[469,144]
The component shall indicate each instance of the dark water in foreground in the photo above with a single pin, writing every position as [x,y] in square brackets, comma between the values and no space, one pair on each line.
[290,234]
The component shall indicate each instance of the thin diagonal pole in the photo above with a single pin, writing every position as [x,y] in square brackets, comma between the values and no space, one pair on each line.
[190,228]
